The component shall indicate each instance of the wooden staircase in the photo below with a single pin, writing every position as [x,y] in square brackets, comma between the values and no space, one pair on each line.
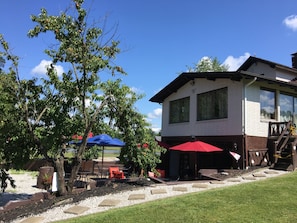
[284,147]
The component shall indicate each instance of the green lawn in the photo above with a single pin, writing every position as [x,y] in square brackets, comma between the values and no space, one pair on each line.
[270,200]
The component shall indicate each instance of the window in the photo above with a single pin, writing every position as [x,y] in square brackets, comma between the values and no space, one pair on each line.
[179,110]
[288,108]
[286,103]
[212,105]
[267,104]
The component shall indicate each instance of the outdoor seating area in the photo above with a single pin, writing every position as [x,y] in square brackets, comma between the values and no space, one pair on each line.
[95,170]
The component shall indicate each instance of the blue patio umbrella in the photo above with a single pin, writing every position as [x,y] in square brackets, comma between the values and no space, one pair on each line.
[104,140]
[101,140]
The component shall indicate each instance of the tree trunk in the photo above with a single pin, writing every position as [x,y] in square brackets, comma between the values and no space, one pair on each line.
[74,170]
[59,163]
[141,173]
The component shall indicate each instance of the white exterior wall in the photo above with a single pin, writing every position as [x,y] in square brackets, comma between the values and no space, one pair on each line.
[229,126]
[260,68]
[253,124]
[275,73]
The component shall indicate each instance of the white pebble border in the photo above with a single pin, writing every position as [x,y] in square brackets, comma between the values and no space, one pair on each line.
[92,203]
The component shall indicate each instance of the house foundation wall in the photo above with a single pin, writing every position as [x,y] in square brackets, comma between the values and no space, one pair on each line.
[253,150]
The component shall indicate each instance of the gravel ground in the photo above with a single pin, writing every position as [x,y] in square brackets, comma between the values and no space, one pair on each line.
[25,187]
[122,192]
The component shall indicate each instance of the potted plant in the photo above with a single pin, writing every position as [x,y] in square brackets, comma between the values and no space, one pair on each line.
[47,181]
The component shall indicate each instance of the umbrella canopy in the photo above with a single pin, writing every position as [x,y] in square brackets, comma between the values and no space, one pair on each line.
[79,137]
[105,140]
[163,144]
[101,140]
[196,146]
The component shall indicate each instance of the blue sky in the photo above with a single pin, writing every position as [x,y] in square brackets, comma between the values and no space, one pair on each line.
[160,38]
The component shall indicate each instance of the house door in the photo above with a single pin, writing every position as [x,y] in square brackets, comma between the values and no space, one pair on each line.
[184,166]
[174,164]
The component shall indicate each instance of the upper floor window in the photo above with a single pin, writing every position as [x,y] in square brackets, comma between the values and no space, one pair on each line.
[212,104]
[179,110]
[267,104]
[286,103]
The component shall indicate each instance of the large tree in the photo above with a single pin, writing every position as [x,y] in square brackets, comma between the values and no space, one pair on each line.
[73,102]
[50,110]
[208,64]
[141,150]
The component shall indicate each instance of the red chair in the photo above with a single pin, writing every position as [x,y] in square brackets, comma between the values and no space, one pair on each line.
[115,173]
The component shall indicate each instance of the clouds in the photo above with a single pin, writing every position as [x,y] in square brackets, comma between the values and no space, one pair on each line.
[234,63]
[40,69]
[157,113]
[154,118]
[291,22]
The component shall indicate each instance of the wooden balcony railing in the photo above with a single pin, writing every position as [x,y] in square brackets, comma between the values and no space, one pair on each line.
[279,129]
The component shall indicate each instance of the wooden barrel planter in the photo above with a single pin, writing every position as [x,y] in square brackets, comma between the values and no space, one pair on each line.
[45,177]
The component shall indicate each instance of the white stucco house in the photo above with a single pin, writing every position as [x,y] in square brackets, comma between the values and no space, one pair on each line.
[243,111]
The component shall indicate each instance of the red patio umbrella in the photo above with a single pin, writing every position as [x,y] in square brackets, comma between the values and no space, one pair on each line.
[196,146]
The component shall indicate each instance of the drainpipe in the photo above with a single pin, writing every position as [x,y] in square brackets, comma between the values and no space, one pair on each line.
[245,154]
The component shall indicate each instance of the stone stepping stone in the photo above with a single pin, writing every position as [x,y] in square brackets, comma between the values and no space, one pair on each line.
[271,172]
[249,178]
[181,189]
[109,203]
[33,220]
[76,210]
[136,197]
[217,182]
[234,180]
[197,185]
[259,175]
[158,191]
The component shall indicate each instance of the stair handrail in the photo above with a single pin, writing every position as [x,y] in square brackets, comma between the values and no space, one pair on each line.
[285,130]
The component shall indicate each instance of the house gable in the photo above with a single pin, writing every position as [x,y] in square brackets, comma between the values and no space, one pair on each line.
[269,70]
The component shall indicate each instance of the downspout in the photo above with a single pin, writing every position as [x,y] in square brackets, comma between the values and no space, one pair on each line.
[245,154]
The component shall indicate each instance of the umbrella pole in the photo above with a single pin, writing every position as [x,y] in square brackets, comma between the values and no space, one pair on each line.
[102,161]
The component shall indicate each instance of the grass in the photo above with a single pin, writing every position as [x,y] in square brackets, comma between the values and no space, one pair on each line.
[31,173]
[270,200]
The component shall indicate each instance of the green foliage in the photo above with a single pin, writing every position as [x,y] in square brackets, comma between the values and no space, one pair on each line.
[125,122]
[122,120]
[15,142]
[207,64]
[92,152]
[38,117]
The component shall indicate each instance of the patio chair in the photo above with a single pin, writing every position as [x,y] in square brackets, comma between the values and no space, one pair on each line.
[115,173]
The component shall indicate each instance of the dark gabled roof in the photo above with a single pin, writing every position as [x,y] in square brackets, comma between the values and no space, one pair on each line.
[251,60]
[241,73]
[184,78]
